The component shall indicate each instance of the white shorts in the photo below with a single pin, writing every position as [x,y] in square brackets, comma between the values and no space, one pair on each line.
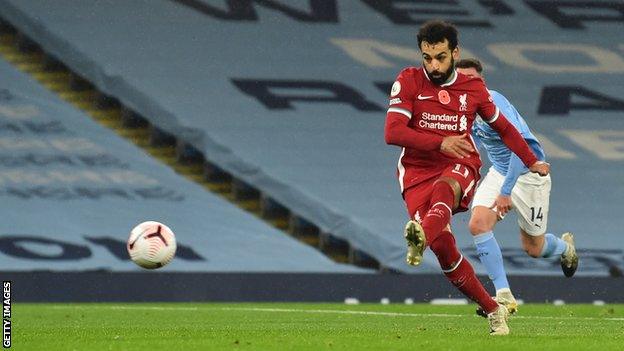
[530,197]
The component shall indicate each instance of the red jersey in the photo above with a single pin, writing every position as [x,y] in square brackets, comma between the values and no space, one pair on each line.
[437,111]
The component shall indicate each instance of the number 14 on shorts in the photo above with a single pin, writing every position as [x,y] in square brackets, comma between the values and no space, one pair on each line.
[536,214]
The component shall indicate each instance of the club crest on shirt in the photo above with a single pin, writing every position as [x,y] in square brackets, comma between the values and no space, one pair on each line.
[463,102]
[396,89]
[444,97]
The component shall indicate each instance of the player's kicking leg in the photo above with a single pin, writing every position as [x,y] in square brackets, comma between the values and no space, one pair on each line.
[459,272]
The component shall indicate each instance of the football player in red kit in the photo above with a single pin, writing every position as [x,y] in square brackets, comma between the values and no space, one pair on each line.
[432,109]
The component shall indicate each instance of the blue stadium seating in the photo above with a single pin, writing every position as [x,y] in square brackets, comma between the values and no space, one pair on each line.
[71,190]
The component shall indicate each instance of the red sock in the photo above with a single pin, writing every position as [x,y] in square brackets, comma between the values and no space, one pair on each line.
[460,272]
[440,212]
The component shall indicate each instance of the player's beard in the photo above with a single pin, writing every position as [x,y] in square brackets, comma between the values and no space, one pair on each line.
[441,77]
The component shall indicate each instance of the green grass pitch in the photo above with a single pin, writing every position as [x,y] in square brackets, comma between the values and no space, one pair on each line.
[300,326]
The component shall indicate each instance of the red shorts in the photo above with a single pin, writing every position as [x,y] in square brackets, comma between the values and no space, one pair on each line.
[417,198]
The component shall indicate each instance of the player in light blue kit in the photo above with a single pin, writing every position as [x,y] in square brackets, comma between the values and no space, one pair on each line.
[508,184]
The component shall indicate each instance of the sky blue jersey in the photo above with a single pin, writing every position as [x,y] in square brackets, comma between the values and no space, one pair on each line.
[503,159]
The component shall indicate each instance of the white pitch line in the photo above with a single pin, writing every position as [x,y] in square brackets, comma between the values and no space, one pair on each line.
[295,310]
[369,313]
[399,314]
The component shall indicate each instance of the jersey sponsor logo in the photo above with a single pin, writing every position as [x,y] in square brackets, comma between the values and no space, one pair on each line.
[443,122]
[463,102]
[420,97]
[444,97]
[395,101]
[396,89]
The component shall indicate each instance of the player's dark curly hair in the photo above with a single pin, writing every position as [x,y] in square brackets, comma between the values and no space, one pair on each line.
[470,63]
[436,31]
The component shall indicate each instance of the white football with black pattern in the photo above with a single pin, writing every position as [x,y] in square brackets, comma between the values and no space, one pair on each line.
[151,245]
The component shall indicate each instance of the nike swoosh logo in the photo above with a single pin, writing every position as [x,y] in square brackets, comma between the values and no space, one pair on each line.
[420,97]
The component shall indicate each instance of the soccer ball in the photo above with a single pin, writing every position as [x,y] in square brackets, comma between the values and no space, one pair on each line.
[151,245]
